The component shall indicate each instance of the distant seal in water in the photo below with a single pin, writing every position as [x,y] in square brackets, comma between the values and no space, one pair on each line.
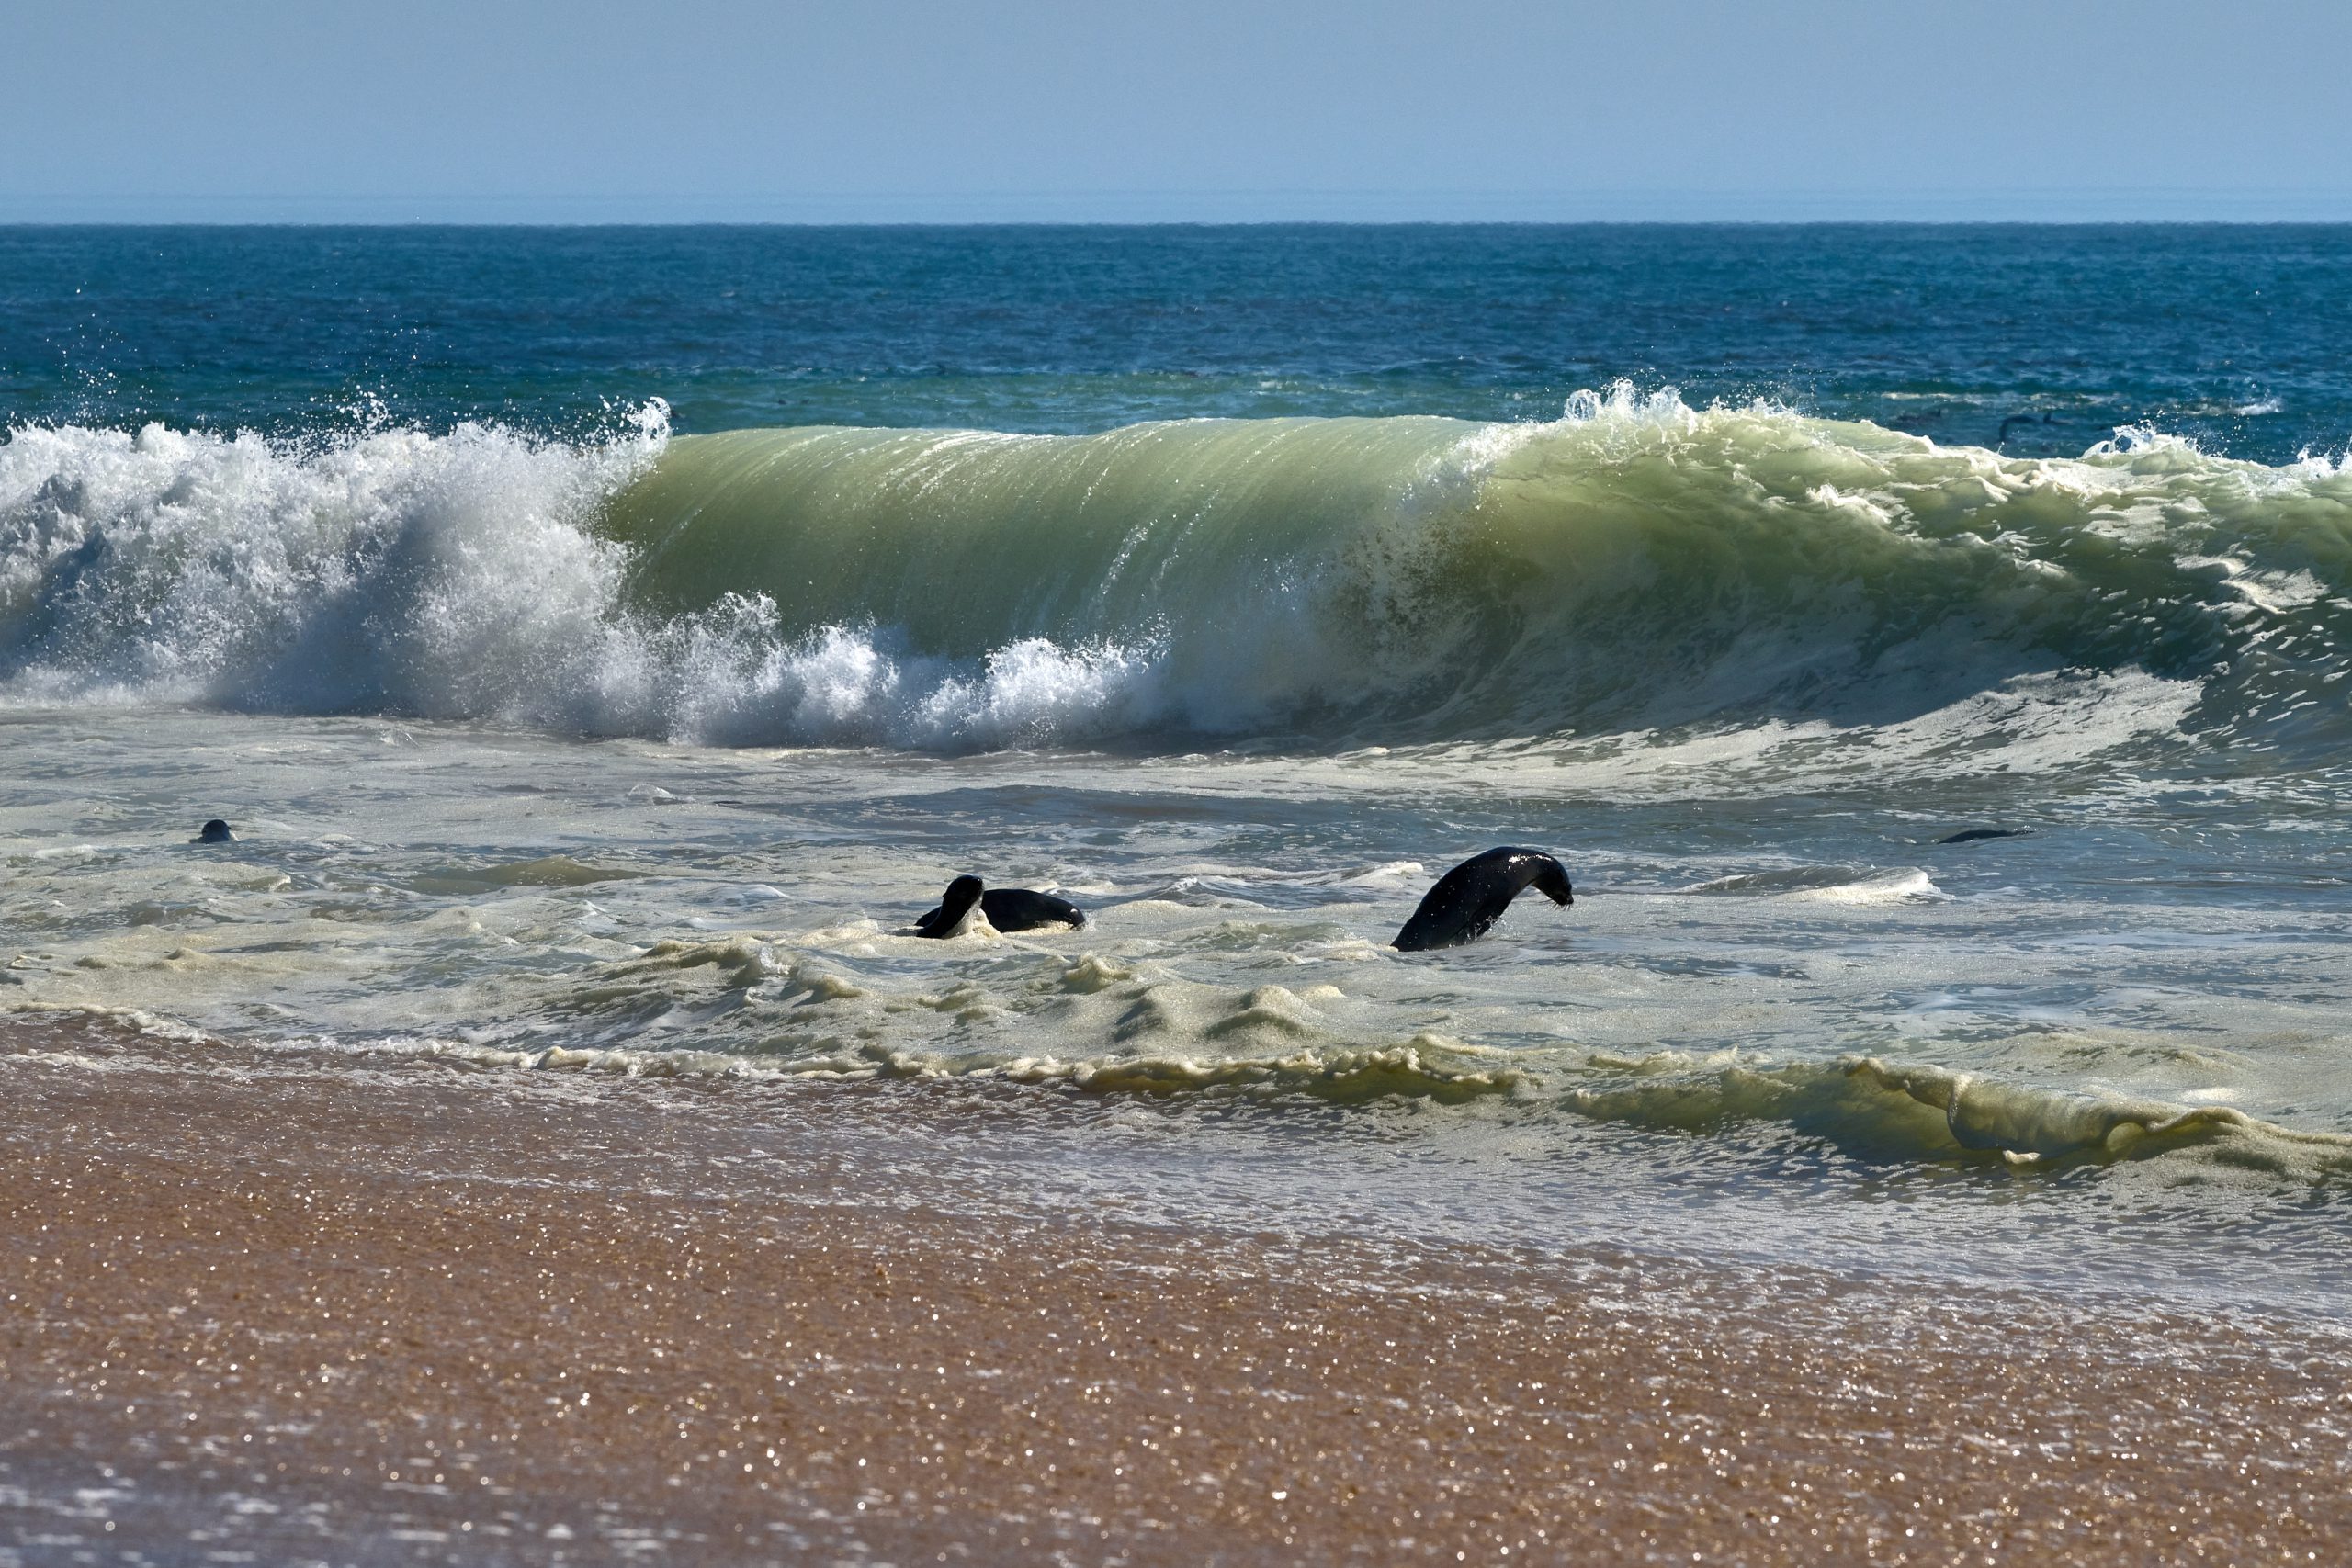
[1470,899]
[1971,835]
[1007,909]
[214,832]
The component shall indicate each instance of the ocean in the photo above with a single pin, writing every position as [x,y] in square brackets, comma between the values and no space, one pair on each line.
[606,642]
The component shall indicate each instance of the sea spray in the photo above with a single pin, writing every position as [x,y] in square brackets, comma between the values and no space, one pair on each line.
[391,572]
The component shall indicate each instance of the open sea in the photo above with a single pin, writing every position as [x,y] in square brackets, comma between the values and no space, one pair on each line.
[606,642]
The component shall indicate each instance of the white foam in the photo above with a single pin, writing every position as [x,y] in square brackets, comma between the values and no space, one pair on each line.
[438,575]
[1886,887]
[452,576]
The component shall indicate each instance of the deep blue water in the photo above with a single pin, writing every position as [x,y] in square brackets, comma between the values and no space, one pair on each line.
[2054,336]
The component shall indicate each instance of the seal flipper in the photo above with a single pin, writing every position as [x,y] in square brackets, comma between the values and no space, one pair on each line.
[1469,899]
[954,911]
[1024,909]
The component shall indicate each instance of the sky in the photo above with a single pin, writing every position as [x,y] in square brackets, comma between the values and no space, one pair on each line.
[1142,111]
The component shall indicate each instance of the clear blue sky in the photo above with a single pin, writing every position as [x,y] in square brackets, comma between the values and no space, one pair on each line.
[1208,110]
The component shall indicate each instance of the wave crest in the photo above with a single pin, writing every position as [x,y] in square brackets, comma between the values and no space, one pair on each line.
[1913,1111]
[1636,566]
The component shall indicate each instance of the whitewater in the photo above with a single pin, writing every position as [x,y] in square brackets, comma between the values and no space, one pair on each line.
[629,736]
[1636,564]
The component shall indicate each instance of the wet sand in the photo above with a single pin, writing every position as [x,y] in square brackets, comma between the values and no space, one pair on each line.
[260,1304]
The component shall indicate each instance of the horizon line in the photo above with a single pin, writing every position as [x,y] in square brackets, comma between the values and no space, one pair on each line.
[1199,208]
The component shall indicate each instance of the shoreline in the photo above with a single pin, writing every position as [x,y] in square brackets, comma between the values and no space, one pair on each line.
[414,1314]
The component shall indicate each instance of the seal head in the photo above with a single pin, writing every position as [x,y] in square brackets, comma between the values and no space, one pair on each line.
[214,832]
[954,911]
[1469,899]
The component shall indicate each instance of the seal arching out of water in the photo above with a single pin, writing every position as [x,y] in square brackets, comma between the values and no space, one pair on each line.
[1007,909]
[1470,899]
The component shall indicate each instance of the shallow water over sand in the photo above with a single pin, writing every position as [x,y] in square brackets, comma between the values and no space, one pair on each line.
[285,1306]
[2102,1055]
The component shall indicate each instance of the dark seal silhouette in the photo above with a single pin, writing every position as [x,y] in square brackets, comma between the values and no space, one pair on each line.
[1470,899]
[1972,835]
[1007,909]
[214,832]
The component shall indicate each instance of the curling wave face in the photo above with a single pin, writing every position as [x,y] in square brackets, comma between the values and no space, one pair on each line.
[1634,566]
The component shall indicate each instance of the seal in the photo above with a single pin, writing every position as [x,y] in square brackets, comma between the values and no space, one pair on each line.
[954,911]
[1006,908]
[1976,835]
[1025,909]
[214,832]
[1470,899]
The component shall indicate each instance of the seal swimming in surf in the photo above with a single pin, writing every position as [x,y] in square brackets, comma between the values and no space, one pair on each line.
[1007,909]
[214,832]
[1470,899]
[1976,835]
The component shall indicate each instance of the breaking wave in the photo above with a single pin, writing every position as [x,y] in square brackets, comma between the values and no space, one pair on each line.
[1915,1110]
[1894,1112]
[1636,565]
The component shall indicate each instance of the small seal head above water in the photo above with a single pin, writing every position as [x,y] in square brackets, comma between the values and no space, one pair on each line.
[214,832]
[1470,899]
[1006,908]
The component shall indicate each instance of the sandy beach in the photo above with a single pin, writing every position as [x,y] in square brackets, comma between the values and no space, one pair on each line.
[266,1305]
